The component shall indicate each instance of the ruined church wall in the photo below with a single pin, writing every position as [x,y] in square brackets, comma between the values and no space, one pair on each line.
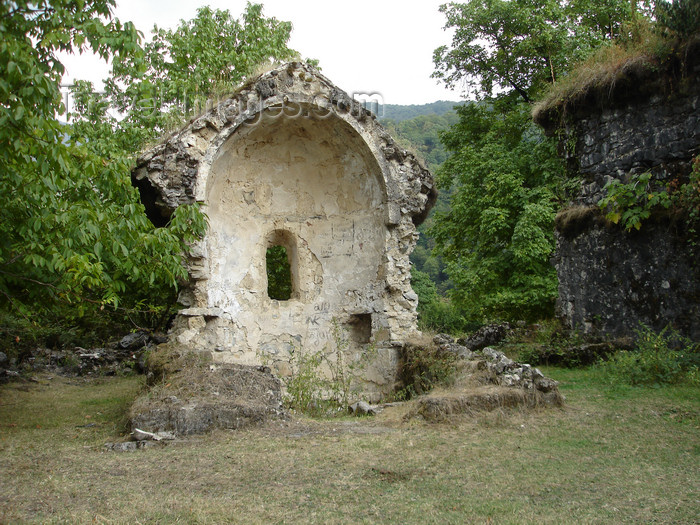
[292,157]
[611,280]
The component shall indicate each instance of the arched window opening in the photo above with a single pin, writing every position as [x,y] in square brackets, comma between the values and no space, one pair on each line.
[279,273]
[281,266]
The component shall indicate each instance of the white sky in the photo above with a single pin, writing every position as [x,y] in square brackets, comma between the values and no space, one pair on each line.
[382,46]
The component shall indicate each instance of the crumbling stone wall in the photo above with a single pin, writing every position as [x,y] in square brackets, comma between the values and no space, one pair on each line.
[292,160]
[611,280]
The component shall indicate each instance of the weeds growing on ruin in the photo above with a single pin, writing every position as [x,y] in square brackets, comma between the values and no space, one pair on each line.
[324,381]
[424,365]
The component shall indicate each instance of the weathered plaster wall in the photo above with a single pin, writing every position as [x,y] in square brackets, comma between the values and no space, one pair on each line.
[611,280]
[292,160]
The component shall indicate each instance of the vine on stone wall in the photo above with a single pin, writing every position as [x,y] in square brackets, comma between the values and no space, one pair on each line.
[630,204]
[688,198]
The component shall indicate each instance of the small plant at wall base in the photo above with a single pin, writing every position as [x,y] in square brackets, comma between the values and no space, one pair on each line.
[323,381]
[305,385]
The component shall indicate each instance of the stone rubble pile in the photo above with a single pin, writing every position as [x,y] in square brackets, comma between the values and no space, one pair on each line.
[488,335]
[503,370]
[115,357]
[141,439]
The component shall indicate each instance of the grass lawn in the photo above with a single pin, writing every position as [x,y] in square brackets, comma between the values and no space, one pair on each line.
[612,455]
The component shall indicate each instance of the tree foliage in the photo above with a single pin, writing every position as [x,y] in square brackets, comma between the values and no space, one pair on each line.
[74,239]
[505,175]
[180,71]
[72,228]
[401,112]
[501,44]
[279,274]
[422,133]
[679,18]
[498,235]
[522,45]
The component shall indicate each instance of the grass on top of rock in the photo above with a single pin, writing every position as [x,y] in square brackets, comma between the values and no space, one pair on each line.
[648,51]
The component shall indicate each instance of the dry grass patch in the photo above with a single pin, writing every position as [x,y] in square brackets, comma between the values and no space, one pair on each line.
[610,456]
[611,67]
[647,63]
[471,391]
[574,220]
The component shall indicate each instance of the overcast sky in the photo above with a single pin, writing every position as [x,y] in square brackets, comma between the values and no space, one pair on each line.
[383,46]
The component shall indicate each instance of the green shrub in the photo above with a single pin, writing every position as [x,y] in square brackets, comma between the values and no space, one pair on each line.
[658,358]
[306,385]
[553,344]
[442,315]
[434,312]
[21,336]
[567,355]
[632,203]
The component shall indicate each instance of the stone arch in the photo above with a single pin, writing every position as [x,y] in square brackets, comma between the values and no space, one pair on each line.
[290,152]
[313,178]
[302,107]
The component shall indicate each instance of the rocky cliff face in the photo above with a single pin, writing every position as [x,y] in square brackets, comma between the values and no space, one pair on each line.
[611,280]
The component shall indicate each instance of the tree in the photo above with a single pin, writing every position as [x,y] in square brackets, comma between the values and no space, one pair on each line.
[522,45]
[505,174]
[422,134]
[680,18]
[279,273]
[498,235]
[75,239]
[72,229]
[501,44]
[180,71]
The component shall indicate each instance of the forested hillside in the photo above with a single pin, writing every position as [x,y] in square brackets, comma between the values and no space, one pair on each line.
[399,113]
[421,134]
